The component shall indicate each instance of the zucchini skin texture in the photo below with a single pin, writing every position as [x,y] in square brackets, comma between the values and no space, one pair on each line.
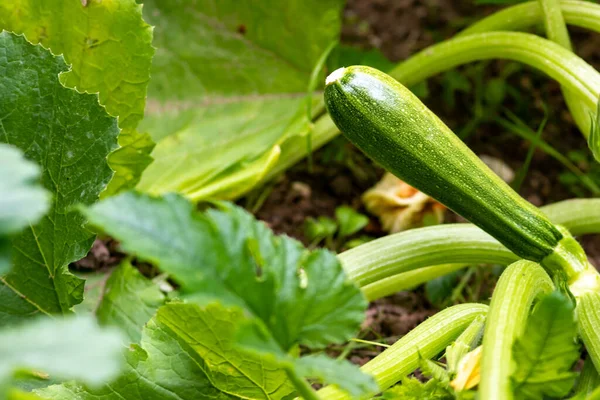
[394,128]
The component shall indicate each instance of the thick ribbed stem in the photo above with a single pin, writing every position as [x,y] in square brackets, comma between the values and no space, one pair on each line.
[573,73]
[380,266]
[588,319]
[426,340]
[515,292]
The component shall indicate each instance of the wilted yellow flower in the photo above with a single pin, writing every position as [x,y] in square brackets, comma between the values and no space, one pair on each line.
[468,373]
[400,206]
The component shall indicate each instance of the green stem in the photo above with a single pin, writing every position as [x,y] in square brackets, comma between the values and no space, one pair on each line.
[381,267]
[523,16]
[515,292]
[588,319]
[304,389]
[556,30]
[428,339]
[570,71]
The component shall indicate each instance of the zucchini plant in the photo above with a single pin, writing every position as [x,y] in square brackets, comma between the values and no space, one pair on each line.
[233,311]
[391,125]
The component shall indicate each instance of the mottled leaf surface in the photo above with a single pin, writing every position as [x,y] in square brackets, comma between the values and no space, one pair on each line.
[187,353]
[110,49]
[229,77]
[547,350]
[295,297]
[68,135]
[22,199]
[129,300]
[302,297]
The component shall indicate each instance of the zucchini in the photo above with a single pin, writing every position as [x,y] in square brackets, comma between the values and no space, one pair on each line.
[393,127]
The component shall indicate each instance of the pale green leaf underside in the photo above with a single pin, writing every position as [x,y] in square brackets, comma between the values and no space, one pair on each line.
[224,48]
[22,199]
[187,353]
[110,49]
[256,58]
[129,301]
[68,135]
[546,351]
[302,297]
[74,348]
[198,147]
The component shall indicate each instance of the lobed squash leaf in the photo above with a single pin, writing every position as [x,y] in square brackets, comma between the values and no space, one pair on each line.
[228,89]
[186,352]
[68,135]
[295,297]
[546,351]
[128,301]
[110,49]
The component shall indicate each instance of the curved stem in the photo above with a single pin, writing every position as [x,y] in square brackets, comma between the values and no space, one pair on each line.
[588,319]
[408,280]
[515,292]
[523,16]
[570,71]
[304,389]
[381,267]
[579,13]
[406,251]
[556,30]
[428,339]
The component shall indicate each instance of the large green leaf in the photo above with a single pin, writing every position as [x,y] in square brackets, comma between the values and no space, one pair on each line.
[302,297]
[129,301]
[22,200]
[229,82]
[187,353]
[199,149]
[110,49]
[295,297]
[69,135]
[547,350]
[74,348]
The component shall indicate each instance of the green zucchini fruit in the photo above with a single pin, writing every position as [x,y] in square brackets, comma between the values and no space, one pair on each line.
[393,127]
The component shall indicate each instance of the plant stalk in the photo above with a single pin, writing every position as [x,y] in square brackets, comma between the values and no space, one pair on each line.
[518,287]
[305,391]
[583,14]
[379,266]
[573,73]
[556,30]
[588,319]
[428,339]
